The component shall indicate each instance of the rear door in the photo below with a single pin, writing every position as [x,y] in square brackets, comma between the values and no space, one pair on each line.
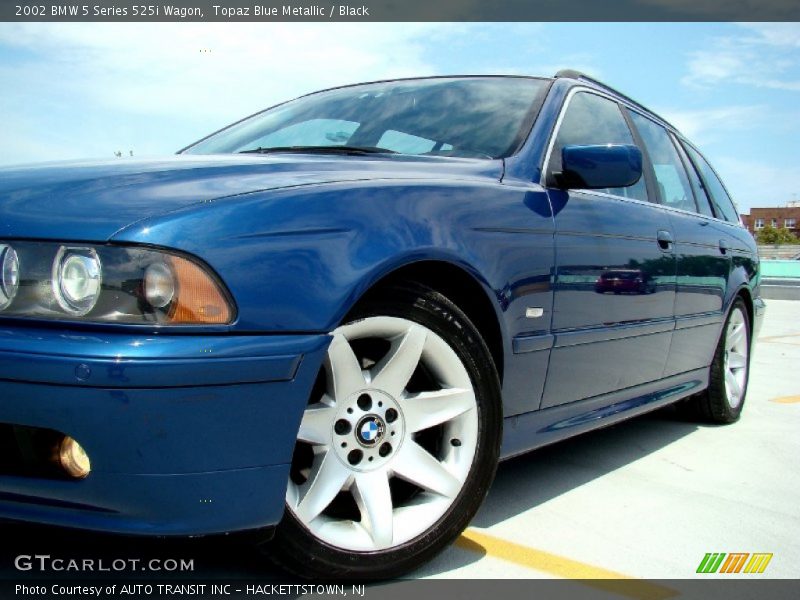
[710,248]
[702,261]
[614,280]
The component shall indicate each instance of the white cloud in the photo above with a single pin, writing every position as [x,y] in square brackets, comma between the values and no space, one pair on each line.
[197,76]
[775,34]
[753,183]
[762,55]
[156,68]
[704,125]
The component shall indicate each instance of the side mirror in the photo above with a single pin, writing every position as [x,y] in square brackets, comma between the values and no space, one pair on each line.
[598,167]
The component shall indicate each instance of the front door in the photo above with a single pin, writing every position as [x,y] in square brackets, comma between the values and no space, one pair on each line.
[615,271]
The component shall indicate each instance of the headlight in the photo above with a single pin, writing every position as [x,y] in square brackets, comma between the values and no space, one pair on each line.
[109,284]
[9,275]
[77,275]
[159,285]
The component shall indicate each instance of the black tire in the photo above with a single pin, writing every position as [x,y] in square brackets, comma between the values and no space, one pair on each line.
[711,405]
[296,549]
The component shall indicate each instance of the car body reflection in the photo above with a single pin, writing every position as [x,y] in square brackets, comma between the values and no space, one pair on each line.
[625,281]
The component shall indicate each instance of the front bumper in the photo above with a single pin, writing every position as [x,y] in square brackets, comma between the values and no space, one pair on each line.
[186,434]
[759,311]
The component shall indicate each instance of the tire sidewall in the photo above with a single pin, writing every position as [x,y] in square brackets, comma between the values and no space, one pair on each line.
[295,545]
[719,396]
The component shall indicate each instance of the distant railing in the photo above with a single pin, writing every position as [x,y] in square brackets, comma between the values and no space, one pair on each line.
[780,269]
[785,252]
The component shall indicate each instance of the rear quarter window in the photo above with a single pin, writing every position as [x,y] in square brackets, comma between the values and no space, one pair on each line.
[723,205]
[673,183]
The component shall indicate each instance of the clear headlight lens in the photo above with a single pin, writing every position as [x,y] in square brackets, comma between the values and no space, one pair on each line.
[159,285]
[9,275]
[101,283]
[77,275]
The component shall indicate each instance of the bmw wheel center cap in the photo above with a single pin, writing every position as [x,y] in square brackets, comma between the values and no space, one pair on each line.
[370,430]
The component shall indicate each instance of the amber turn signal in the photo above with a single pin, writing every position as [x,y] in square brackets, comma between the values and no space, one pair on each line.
[198,298]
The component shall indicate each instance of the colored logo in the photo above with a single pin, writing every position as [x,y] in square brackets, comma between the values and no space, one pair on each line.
[370,430]
[734,562]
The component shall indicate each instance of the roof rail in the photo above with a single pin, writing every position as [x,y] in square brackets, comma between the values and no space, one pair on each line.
[573,74]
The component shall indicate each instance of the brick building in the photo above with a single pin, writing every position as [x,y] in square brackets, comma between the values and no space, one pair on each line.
[780,216]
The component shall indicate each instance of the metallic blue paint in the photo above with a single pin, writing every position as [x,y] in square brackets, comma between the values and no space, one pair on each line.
[193,431]
[540,428]
[609,166]
[60,357]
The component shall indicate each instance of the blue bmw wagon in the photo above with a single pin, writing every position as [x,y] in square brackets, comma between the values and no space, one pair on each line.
[329,321]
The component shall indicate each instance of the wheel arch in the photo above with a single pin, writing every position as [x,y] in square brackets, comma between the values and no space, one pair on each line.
[461,286]
[745,294]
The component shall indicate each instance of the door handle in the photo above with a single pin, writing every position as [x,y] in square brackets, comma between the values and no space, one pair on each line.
[665,240]
[723,246]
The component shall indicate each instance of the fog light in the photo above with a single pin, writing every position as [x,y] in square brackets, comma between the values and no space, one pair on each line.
[73,458]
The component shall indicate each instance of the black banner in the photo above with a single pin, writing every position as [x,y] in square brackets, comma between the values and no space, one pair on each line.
[400,10]
[507,589]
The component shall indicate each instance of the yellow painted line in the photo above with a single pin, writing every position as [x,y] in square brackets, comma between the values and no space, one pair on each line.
[786,400]
[772,338]
[596,577]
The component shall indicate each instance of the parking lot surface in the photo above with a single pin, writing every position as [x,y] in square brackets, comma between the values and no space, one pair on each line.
[647,498]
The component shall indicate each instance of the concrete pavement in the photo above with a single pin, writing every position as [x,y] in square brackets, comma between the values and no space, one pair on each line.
[649,497]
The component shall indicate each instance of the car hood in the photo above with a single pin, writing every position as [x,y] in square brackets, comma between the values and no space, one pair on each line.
[91,201]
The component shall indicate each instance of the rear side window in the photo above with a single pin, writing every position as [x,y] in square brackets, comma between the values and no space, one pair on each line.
[703,203]
[723,205]
[593,120]
[673,183]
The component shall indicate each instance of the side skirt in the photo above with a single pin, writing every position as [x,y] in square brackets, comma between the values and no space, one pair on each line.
[525,432]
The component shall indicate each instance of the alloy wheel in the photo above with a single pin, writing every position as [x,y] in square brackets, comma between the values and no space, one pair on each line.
[386,449]
[736,353]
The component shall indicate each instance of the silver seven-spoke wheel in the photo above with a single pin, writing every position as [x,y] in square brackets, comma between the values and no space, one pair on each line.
[722,402]
[736,351]
[392,439]
[398,443]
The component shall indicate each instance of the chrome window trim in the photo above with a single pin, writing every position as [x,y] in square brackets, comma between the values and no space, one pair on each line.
[622,198]
[557,127]
[554,134]
[682,139]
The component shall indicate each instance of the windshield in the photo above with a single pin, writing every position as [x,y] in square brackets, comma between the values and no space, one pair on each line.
[480,117]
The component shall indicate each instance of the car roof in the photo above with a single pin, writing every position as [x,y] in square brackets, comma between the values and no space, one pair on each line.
[426,78]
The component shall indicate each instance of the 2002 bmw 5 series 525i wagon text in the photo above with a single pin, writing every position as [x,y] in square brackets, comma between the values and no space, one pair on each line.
[330,320]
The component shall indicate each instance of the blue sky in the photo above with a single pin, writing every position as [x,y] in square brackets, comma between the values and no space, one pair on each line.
[87,90]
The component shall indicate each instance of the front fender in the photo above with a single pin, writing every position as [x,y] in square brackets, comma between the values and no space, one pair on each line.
[297,259]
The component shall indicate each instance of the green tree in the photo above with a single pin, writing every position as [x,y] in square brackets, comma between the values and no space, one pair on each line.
[772,236]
